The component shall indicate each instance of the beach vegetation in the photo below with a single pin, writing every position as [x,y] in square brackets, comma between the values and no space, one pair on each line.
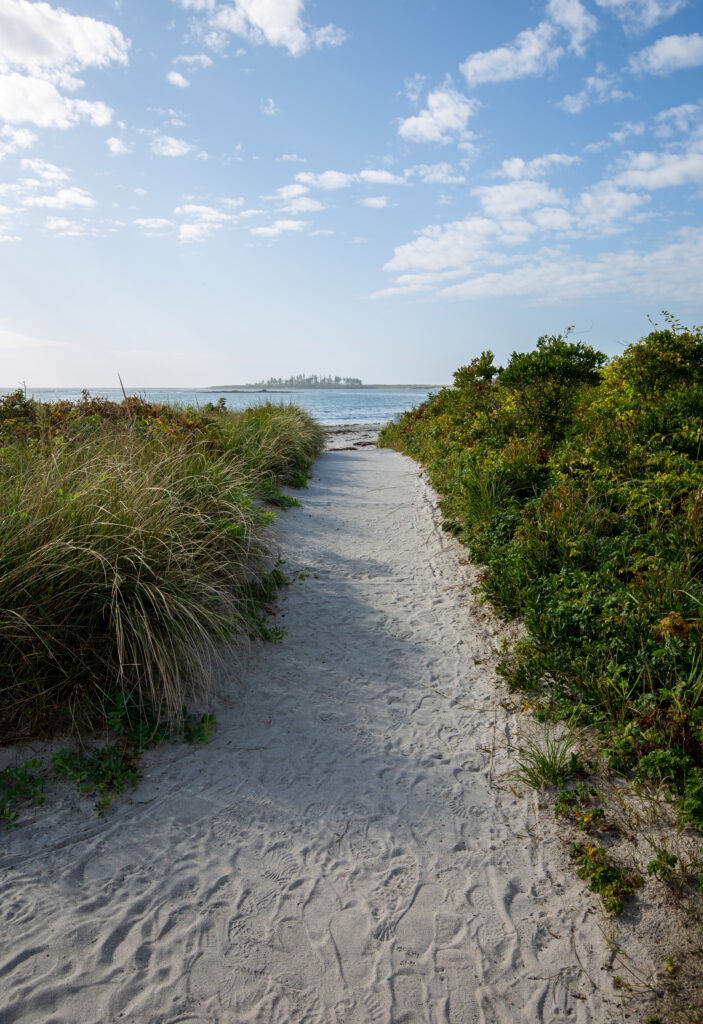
[134,542]
[578,483]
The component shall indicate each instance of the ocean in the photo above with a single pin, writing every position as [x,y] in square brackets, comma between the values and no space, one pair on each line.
[350,405]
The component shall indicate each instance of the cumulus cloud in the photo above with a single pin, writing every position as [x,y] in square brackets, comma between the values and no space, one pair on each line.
[116,146]
[276,22]
[177,79]
[668,54]
[506,200]
[532,53]
[381,177]
[42,49]
[38,101]
[661,170]
[375,202]
[166,145]
[14,140]
[48,41]
[268,107]
[598,88]
[278,228]
[194,60]
[328,180]
[678,119]
[48,173]
[154,226]
[641,14]
[62,200]
[572,16]
[516,167]
[444,118]
[436,174]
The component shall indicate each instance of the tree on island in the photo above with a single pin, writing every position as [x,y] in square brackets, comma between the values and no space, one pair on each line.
[310,381]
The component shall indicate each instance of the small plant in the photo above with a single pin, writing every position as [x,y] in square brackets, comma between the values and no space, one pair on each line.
[610,881]
[196,729]
[18,785]
[579,804]
[549,762]
[108,772]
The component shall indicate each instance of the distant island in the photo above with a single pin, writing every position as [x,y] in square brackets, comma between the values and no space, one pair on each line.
[310,381]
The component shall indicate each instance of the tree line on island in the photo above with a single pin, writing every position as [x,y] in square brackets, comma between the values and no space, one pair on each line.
[312,380]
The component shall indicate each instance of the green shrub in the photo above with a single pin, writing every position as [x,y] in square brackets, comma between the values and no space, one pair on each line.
[579,485]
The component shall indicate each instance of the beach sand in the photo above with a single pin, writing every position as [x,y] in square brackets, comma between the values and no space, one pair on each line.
[347,849]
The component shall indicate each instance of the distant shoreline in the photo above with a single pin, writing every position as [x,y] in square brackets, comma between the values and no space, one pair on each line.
[243,389]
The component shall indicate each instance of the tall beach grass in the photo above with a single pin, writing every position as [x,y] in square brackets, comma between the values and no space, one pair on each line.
[132,541]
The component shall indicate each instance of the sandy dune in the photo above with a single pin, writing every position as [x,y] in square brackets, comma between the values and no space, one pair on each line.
[338,854]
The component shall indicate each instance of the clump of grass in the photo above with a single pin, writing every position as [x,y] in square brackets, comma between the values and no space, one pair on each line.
[133,539]
[550,760]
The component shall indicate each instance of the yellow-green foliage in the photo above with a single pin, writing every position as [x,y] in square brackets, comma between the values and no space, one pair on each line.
[131,540]
[587,510]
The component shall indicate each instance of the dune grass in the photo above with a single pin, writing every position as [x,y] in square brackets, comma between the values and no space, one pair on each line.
[133,541]
[578,483]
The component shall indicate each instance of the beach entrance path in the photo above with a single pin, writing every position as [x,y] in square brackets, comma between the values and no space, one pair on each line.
[347,850]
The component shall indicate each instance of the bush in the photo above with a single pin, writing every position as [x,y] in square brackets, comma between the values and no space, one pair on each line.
[580,486]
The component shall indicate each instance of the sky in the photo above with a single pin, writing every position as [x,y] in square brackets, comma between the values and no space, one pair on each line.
[204,192]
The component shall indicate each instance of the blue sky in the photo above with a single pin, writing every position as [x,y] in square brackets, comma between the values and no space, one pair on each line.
[211,191]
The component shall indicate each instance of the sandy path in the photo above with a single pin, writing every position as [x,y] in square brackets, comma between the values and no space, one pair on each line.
[337,855]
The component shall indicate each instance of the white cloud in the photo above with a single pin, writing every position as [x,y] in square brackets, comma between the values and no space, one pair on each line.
[194,60]
[413,87]
[381,178]
[14,140]
[375,202]
[329,35]
[670,53]
[23,98]
[678,119]
[292,158]
[641,14]
[278,228]
[166,145]
[672,271]
[42,48]
[304,204]
[532,53]
[444,117]
[440,247]
[606,209]
[276,22]
[62,200]
[661,170]
[154,226]
[204,214]
[67,228]
[505,200]
[626,130]
[598,88]
[50,174]
[286,192]
[177,79]
[436,174]
[197,231]
[460,250]
[44,40]
[116,146]
[268,107]
[328,179]
[517,168]
[572,16]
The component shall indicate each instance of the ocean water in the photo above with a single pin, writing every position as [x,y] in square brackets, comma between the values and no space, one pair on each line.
[351,405]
